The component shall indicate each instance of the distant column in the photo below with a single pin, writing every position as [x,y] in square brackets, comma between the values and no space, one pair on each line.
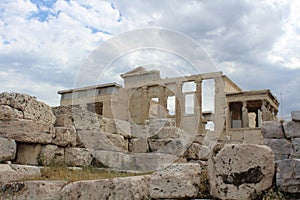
[145,103]
[162,101]
[245,117]
[179,103]
[198,105]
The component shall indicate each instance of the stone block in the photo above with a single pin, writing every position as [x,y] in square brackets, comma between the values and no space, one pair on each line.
[78,157]
[96,139]
[133,161]
[7,112]
[8,149]
[128,188]
[272,129]
[33,190]
[139,131]
[288,176]
[239,171]
[296,147]
[176,181]
[11,172]
[64,116]
[118,140]
[29,131]
[30,107]
[138,145]
[193,151]
[282,148]
[28,154]
[291,129]
[169,146]
[156,123]
[168,133]
[296,115]
[51,154]
[116,126]
[65,136]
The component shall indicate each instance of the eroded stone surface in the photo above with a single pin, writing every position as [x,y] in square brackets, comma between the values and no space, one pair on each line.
[11,172]
[272,129]
[176,181]
[51,154]
[33,190]
[28,154]
[31,108]
[136,187]
[296,147]
[288,175]
[118,140]
[132,161]
[116,126]
[8,149]
[23,130]
[282,148]
[291,129]
[138,145]
[78,157]
[239,171]
[65,136]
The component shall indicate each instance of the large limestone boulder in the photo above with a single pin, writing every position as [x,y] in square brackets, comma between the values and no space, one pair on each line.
[296,147]
[78,157]
[51,154]
[7,112]
[33,190]
[8,149]
[282,148]
[118,141]
[157,123]
[28,154]
[130,188]
[134,161]
[138,145]
[31,108]
[239,171]
[272,129]
[23,130]
[11,172]
[64,116]
[65,136]
[169,146]
[176,181]
[291,129]
[287,177]
[139,131]
[116,126]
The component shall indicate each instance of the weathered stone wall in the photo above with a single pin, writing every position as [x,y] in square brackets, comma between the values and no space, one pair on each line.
[284,140]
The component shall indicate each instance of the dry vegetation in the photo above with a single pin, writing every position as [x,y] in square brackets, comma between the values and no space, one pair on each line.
[63,173]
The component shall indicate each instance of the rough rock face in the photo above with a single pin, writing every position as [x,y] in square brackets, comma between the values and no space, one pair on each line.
[239,171]
[51,154]
[77,157]
[282,148]
[13,172]
[33,190]
[291,129]
[23,130]
[272,129]
[28,154]
[138,145]
[65,136]
[8,149]
[136,187]
[288,173]
[176,181]
[133,161]
[116,126]
[16,105]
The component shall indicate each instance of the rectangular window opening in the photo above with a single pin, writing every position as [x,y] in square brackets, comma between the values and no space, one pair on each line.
[189,104]
[171,105]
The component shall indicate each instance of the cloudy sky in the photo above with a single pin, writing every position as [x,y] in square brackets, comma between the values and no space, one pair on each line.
[45,44]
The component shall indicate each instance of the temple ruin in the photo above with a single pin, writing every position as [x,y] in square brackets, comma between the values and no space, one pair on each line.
[237,114]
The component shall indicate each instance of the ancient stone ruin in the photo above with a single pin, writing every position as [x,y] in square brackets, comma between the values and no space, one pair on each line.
[133,128]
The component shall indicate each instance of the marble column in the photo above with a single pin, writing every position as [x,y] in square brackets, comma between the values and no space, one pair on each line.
[198,105]
[245,117]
